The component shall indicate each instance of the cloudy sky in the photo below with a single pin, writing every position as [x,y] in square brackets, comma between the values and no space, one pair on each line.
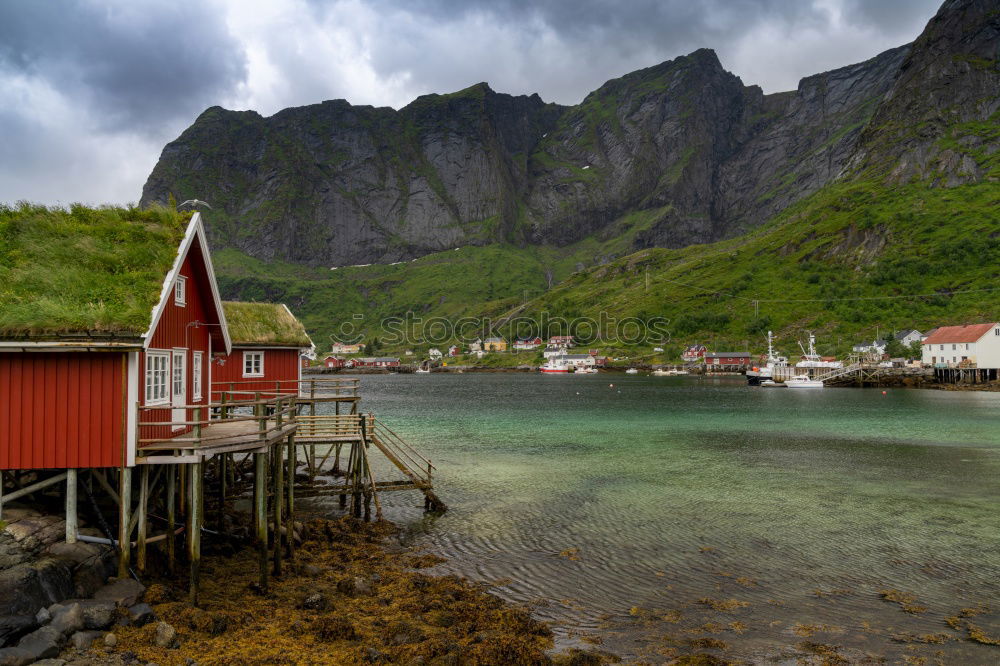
[93,89]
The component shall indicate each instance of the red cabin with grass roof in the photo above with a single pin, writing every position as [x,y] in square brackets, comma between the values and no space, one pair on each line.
[268,343]
[104,311]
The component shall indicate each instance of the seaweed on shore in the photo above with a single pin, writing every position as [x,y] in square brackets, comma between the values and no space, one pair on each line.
[346,601]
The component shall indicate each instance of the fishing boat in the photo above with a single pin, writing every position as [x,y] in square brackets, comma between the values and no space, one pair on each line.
[585,371]
[660,372]
[810,359]
[757,376]
[422,371]
[770,383]
[803,381]
[552,366]
[631,371]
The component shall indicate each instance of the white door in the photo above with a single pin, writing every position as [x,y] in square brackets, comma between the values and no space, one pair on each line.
[178,387]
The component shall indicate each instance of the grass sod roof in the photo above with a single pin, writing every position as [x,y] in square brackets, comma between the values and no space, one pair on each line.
[84,272]
[264,324]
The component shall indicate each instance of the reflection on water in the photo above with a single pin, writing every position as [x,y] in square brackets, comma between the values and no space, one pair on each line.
[669,513]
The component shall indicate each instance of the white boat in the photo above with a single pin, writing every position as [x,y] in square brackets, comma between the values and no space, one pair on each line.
[803,381]
[757,376]
[585,371]
[422,371]
[810,359]
[770,383]
[631,371]
[553,366]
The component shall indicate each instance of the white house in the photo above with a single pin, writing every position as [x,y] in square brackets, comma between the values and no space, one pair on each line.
[551,351]
[576,360]
[908,336]
[873,347]
[977,345]
[435,353]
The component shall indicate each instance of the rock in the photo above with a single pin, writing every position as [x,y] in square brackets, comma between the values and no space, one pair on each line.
[66,619]
[15,656]
[43,643]
[361,586]
[14,626]
[43,616]
[50,662]
[141,614]
[124,592]
[82,640]
[315,601]
[165,636]
[28,587]
[110,640]
[311,570]
[373,656]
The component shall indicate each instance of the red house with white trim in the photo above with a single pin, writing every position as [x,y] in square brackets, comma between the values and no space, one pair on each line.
[71,379]
[268,342]
[333,362]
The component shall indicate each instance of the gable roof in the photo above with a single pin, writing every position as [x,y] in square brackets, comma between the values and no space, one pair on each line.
[265,325]
[902,334]
[966,333]
[195,233]
[89,274]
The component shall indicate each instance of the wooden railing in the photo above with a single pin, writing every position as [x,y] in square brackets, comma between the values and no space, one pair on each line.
[334,425]
[270,415]
[318,389]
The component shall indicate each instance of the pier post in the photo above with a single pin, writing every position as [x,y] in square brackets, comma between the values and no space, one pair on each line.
[124,516]
[222,491]
[171,473]
[71,519]
[290,513]
[140,556]
[260,513]
[279,492]
[194,528]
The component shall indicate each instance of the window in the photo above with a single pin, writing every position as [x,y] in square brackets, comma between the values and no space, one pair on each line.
[156,377]
[178,375]
[196,375]
[180,291]
[942,347]
[954,347]
[253,364]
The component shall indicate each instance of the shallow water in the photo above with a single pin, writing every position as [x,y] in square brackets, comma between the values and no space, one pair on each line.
[624,513]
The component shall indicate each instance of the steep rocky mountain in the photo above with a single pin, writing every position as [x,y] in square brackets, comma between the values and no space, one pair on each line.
[685,141]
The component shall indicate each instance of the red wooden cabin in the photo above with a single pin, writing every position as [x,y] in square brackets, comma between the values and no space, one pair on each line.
[70,385]
[268,342]
[333,362]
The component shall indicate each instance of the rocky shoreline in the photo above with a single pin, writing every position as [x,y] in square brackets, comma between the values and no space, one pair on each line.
[354,595]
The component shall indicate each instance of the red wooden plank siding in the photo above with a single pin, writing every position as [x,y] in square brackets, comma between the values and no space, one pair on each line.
[60,409]
[173,331]
[279,365]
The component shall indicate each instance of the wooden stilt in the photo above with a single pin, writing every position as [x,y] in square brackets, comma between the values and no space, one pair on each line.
[124,520]
[195,510]
[71,516]
[171,516]
[279,500]
[260,513]
[140,556]
[222,492]
[290,512]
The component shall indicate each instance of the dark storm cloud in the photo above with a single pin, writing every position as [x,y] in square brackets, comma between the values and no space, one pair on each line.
[133,66]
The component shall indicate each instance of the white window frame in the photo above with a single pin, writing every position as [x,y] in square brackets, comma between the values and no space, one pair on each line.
[247,355]
[152,395]
[180,291]
[196,370]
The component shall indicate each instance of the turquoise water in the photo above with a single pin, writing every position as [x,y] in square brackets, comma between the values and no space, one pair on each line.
[608,507]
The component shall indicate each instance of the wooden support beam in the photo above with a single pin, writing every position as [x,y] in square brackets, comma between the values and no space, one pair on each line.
[140,555]
[72,526]
[171,517]
[278,505]
[260,513]
[124,520]
[290,513]
[195,511]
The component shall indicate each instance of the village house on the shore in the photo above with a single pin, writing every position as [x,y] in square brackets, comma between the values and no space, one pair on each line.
[564,341]
[694,353]
[969,345]
[267,342]
[344,348]
[728,360]
[372,362]
[495,345]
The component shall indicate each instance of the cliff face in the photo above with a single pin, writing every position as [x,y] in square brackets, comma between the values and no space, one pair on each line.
[702,155]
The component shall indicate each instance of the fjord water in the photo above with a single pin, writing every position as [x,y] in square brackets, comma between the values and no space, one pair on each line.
[639,513]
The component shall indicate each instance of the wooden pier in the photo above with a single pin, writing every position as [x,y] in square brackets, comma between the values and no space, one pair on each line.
[270,446]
